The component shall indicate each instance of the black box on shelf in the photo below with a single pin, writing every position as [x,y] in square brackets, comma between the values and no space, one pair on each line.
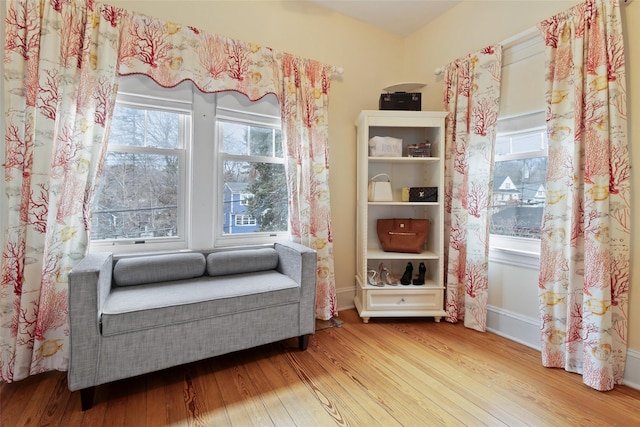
[423,194]
[401,101]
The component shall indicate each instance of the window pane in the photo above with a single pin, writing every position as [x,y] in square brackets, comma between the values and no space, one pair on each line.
[526,143]
[144,128]
[518,197]
[258,192]
[137,198]
[261,141]
[163,129]
[520,143]
[278,143]
[234,138]
[503,146]
[127,126]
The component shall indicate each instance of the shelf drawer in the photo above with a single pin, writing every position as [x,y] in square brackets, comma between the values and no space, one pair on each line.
[422,299]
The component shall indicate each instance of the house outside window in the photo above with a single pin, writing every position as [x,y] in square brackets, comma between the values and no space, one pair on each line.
[236,219]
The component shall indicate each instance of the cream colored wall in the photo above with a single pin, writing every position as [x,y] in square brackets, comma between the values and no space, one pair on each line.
[521,299]
[371,58]
[472,25]
[468,27]
[631,14]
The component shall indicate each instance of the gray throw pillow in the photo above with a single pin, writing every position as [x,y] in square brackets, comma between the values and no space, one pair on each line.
[158,268]
[241,261]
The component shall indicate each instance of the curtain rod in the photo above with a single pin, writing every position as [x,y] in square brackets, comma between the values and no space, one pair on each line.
[508,42]
[516,39]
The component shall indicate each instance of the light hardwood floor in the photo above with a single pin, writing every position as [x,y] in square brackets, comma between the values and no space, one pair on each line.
[409,372]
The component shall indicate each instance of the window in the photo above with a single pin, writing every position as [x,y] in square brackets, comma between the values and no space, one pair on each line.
[189,170]
[244,199]
[254,200]
[142,191]
[519,175]
[245,220]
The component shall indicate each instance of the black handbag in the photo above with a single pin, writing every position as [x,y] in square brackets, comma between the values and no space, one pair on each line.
[423,194]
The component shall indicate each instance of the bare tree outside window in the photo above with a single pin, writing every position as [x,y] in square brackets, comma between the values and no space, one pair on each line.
[138,195]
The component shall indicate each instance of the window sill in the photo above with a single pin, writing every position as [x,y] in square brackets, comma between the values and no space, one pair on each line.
[517,252]
[137,247]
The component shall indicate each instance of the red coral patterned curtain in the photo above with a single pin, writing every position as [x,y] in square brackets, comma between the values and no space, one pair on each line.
[57,111]
[471,96]
[60,71]
[584,260]
[305,106]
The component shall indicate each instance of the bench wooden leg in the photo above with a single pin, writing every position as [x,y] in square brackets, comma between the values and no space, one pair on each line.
[86,397]
[303,342]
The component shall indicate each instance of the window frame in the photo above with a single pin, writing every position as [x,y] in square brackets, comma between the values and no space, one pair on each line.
[231,114]
[250,221]
[151,102]
[514,250]
[244,199]
[202,162]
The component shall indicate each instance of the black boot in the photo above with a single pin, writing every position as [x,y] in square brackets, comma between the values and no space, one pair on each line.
[406,277]
[422,270]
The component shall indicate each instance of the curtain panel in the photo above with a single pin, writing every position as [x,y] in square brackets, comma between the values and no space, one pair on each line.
[62,60]
[60,74]
[471,96]
[305,103]
[585,245]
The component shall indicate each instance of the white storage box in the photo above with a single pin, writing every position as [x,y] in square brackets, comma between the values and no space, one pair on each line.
[385,146]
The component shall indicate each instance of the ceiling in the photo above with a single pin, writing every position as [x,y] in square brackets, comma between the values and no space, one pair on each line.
[401,17]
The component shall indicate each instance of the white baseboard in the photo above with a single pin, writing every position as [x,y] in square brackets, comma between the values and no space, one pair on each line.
[631,376]
[345,297]
[516,327]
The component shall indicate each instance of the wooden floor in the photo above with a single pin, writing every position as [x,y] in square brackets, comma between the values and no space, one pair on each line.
[409,372]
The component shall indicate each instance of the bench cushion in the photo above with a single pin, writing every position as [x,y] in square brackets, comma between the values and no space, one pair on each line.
[158,268]
[245,261]
[135,308]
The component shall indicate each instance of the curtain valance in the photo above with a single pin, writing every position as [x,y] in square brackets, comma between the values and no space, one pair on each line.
[171,53]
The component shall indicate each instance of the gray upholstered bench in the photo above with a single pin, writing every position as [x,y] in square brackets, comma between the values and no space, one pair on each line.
[135,315]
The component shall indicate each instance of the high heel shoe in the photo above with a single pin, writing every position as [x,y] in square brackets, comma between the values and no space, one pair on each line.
[372,278]
[422,270]
[406,277]
[386,277]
